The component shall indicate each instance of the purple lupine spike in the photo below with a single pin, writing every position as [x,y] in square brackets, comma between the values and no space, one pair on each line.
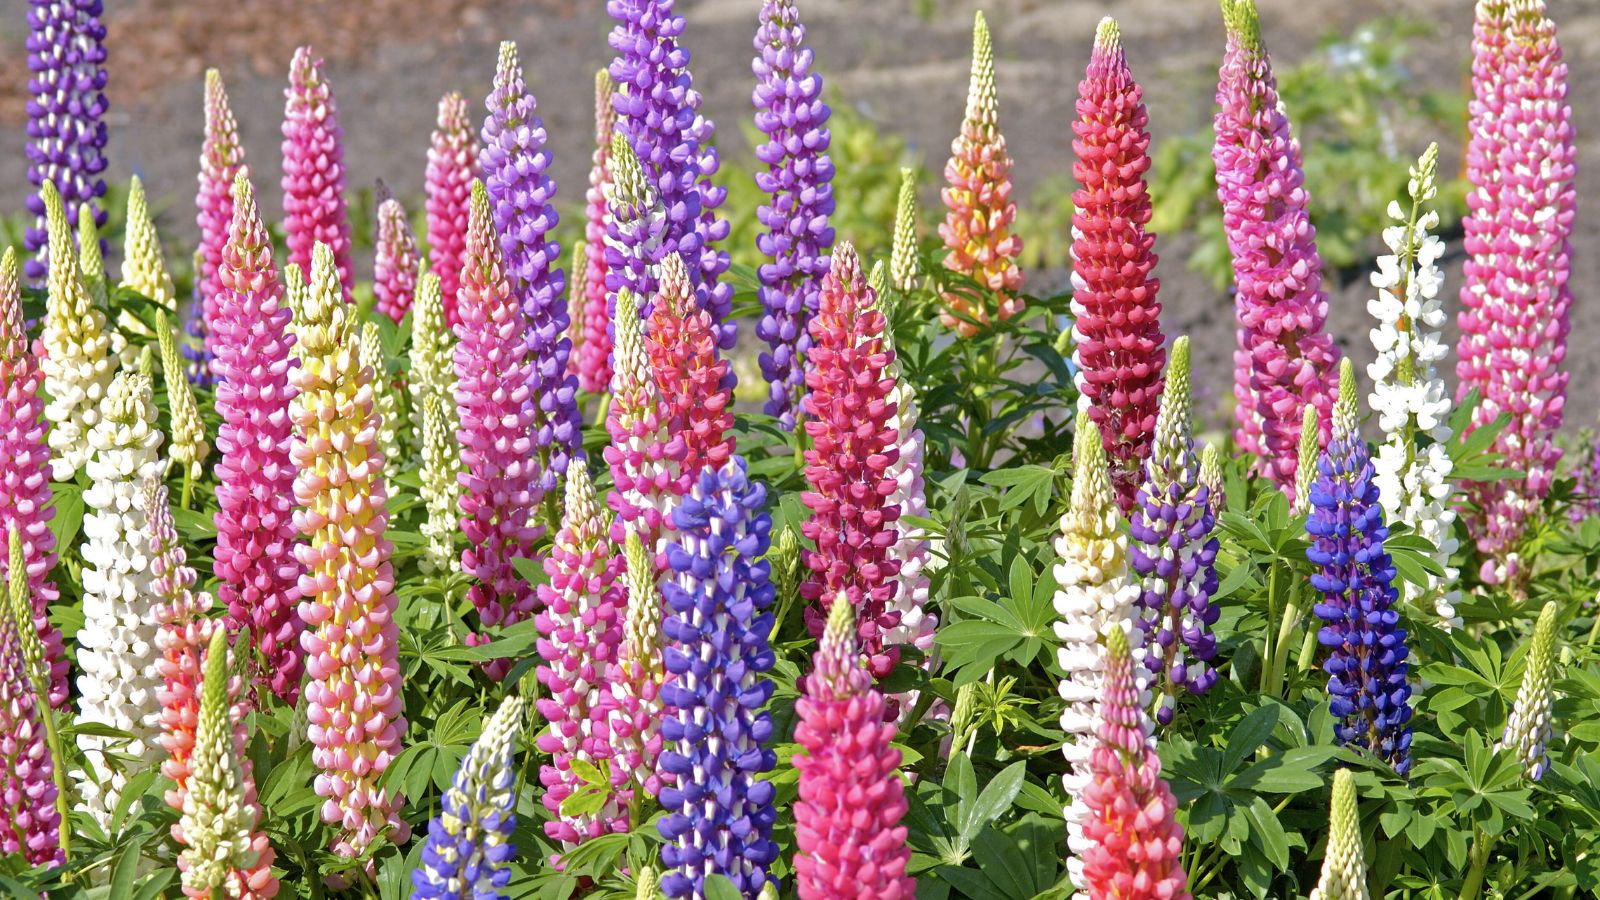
[659,111]
[313,169]
[791,113]
[66,107]
[197,355]
[514,163]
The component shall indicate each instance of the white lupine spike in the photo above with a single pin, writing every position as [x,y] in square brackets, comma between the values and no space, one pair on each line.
[1528,728]
[1344,866]
[77,361]
[441,489]
[386,400]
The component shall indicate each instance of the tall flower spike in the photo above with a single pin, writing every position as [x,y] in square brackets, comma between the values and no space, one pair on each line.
[696,383]
[313,169]
[719,810]
[117,646]
[144,268]
[1211,478]
[1305,472]
[185,631]
[1344,862]
[66,111]
[221,161]
[255,476]
[905,262]
[441,486]
[591,359]
[978,208]
[850,420]
[1283,359]
[1096,595]
[395,266]
[1528,728]
[189,448]
[351,639]
[636,225]
[197,358]
[514,162]
[792,115]
[25,495]
[634,727]
[469,850]
[1135,844]
[386,400]
[658,109]
[30,819]
[1412,468]
[452,166]
[1517,294]
[429,373]
[1367,666]
[1116,329]
[76,359]
[644,460]
[1173,549]
[92,260]
[495,432]
[848,838]
[224,852]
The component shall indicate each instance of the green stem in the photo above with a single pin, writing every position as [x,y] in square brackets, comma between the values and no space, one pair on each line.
[1478,858]
[1593,629]
[52,738]
[188,487]
[1268,648]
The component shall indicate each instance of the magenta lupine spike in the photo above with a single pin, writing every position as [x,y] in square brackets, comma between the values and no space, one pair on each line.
[452,165]
[644,459]
[221,161]
[30,820]
[580,631]
[255,476]
[658,109]
[1283,359]
[25,497]
[313,169]
[592,361]
[1516,294]
[396,263]
[636,225]
[496,432]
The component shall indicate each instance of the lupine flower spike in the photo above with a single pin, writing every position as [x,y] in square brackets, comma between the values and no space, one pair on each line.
[76,360]
[791,114]
[469,850]
[197,359]
[636,225]
[386,399]
[1173,549]
[495,432]
[849,842]
[978,207]
[850,419]
[117,645]
[696,383]
[255,476]
[351,639]
[221,161]
[144,268]
[1517,293]
[636,706]
[1117,340]
[30,817]
[643,459]
[580,630]
[432,348]
[658,110]
[313,169]
[186,632]
[441,486]
[1412,467]
[719,810]
[1305,472]
[25,495]
[1283,359]
[591,359]
[66,111]
[224,853]
[1135,844]
[92,262]
[1344,862]
[394,279]
[188,448]
[1096,595]
[905,262]
[1367,666]
[1528,729]
[452,166]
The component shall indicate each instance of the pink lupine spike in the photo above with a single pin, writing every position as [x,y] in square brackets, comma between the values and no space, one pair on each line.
[592,359]
[313,169]
[452,165]
[221,159]
[644,459]
[395,266]
[30,811]
[696,383]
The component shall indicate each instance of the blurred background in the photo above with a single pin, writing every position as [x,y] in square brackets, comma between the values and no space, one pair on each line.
[1368,83]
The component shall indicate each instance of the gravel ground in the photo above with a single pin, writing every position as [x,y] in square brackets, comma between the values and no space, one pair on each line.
[902,63]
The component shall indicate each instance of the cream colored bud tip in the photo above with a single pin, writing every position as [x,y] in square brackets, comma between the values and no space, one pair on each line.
[841,619]
[1108,36]
[1179,360]
[1347,381]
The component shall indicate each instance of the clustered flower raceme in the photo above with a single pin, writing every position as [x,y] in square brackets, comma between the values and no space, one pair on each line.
[1527,731]
[354,709]
[185,631]
[978,207]
[1408,395]
[580,631]
[514,162]
[1367,666]
[495,431]
[695,382]
[25,495]
[1344,863]
[636,705]
[441,485]
[1586,492]
[719,811]
[221,161]
[313,170]
[189,448]
[117,651]
[66,111]
[644,458]
[386,398]
[1116,327]
[144,268]
[1283,361]
[30,816]
[636,227]
[197,359]
[1134,842]
[1517,293]
[591,355]
[848,838]
[255,476]
[452,166]
[791,114]
[854,442]
[429,372]
[469,850]
[1173,549]
[76,349]
[658,110]
[395,267]
[905,265]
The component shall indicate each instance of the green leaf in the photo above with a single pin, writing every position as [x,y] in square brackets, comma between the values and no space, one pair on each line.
[718,887]
[127,867]
[996,798]
[1251,732]
[1268,832]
